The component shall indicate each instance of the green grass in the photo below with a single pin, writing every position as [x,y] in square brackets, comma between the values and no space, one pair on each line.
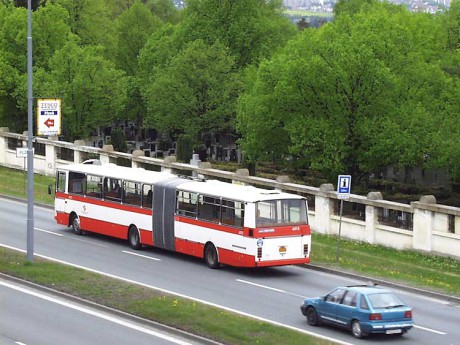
[409,267]
[437,273]
[14,183]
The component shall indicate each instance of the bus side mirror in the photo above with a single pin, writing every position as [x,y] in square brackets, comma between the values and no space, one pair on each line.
[50,189]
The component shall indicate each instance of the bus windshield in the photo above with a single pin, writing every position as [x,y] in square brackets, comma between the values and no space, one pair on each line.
[281,212]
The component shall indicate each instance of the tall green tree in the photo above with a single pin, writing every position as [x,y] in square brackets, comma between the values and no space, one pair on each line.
[91,21]
[93,91]
[133,28]
[196,92]
[50,33]
[351,7]
[359,93]
[251,29]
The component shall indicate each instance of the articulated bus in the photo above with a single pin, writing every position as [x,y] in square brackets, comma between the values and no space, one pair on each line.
[222,223]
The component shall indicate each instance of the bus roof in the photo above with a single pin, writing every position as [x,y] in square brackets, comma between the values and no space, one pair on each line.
[214,188]
[119,172]
[234,191]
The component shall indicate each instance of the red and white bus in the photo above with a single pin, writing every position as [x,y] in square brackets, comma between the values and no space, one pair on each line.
[223,223]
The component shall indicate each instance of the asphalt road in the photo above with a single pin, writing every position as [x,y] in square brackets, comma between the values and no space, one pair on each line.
[32,316]
[272,294]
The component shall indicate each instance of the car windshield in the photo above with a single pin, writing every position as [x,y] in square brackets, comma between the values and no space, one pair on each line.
[385,300]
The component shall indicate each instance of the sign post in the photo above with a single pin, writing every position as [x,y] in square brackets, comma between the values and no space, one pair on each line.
[343,192]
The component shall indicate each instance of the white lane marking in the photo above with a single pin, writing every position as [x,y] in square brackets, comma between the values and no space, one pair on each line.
[140,255]
[19,343]
[261,286]
[49,232]
[187,297]
[94,313]
[74,238]
[271,288]
[430,330]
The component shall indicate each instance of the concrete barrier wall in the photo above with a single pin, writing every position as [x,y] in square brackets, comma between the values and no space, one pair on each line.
[435,228]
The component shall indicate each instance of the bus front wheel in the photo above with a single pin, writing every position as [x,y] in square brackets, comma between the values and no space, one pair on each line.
[210,256]
[134,238]
[76,224]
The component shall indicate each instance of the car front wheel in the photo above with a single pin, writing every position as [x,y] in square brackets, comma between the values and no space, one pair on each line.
[312,316]
[356,329]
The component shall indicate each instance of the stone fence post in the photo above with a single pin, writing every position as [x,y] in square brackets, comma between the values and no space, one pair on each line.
[241,172]
[104,154]
[282,179]
[3,145]
[324,209]
[50,157]
[423,224]
[77,155]
[137,153]
[372,217]
[169,159]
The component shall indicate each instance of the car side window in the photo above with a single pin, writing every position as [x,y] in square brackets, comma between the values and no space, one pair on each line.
[335,296]
[350,299]
[363,303]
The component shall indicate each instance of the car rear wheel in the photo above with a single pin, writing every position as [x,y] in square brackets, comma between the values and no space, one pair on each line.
[356,329]
[312,316]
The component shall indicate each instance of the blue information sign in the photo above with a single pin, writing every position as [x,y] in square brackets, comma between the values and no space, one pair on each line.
[343,186]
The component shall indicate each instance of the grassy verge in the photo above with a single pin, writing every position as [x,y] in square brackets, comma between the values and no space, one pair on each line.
[14,183]
[441,274]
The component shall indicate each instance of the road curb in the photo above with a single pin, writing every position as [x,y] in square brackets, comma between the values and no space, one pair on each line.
[108,310]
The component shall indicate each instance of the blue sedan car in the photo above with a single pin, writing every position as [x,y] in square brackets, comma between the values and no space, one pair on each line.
[363,309]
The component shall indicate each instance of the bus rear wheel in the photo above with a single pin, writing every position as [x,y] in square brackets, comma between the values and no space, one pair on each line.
[75,223]
[210,256]
[134,238]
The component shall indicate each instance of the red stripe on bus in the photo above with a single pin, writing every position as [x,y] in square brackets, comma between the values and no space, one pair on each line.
[290,230]
[146,237]
[105,203]
[189,247]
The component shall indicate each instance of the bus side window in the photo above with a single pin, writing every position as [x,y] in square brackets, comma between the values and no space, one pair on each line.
[61,181]
[186,203]
[112,189]
[76,183]
[147,196]
[209,208]
[94,186]
[233,213]
[132,193]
